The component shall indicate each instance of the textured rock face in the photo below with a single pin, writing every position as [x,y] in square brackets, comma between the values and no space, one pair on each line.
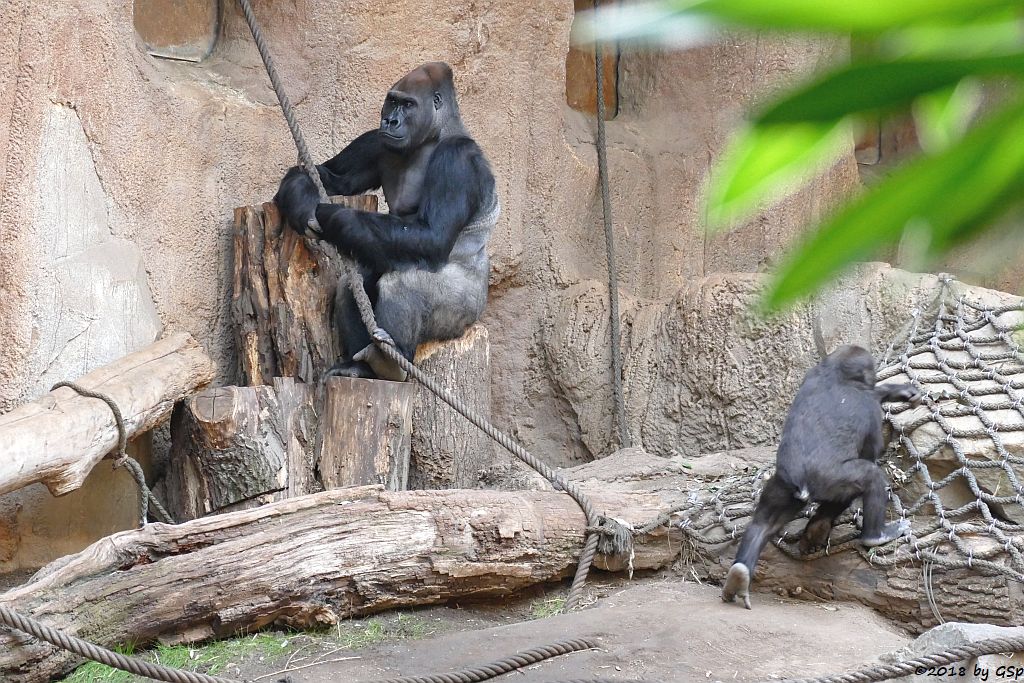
[703,371]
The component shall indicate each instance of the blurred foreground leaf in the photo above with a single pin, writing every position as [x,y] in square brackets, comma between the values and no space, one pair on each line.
[764,161]
[656,19]
[941,118]
[943,198]
[880,86]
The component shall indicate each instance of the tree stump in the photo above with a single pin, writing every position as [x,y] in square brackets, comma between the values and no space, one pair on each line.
[366,427]
[283,302]
[448,451]
[235,448]
[283,296]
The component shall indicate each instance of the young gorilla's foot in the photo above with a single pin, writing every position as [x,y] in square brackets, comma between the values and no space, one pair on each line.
[737,583]
[384,367]
[890,532]
[815,536]
[351,368]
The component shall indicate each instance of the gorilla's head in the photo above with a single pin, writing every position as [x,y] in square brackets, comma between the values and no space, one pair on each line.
[854,364]
[420,108]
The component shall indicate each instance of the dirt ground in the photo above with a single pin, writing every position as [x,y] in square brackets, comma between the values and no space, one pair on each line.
[649,630]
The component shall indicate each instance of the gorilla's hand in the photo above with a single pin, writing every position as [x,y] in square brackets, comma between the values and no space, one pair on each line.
[332,223]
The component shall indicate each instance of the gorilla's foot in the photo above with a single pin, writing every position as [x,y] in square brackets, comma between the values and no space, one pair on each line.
[890,532]
[384,367]
[737,583]
[351,368]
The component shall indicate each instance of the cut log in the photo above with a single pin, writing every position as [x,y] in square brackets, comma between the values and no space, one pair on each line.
[366,431]
[58,438]
[448,451]
[235,448]
[283,296]
[229,449]
[306,561]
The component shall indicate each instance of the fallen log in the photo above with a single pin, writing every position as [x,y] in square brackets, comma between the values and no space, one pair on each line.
[306,561]
[58,438]
[337,554]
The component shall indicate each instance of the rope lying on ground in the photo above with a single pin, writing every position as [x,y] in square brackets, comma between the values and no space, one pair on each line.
[385,343]
[146,497]
[920,665]
[159,672]
[101,654]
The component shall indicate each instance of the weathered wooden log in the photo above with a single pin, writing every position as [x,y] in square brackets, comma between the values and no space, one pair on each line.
[335,554]
[230,449]
[448,451]
[307,561]
[283,296]
[235,448]
[58,438]
[366,431]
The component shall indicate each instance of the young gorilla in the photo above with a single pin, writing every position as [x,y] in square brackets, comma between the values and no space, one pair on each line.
[424,265]
[830,442]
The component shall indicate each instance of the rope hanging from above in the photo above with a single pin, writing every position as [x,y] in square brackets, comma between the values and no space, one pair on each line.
[618,401]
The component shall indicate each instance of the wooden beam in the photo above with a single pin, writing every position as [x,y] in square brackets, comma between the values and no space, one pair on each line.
[58,438]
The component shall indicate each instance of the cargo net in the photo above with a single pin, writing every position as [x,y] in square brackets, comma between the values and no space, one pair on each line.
[955,461]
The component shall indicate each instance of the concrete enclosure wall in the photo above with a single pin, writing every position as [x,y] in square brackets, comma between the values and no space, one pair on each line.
[121,170]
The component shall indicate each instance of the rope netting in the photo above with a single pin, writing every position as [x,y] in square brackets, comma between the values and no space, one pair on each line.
[955,460]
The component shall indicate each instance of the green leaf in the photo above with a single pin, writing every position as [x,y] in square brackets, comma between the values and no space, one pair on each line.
[841,15]
[997,33]
[690,22]
[766,161]
[941,118]
[945,196]
[882,85]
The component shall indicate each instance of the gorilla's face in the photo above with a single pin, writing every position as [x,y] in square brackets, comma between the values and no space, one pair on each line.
[410,115]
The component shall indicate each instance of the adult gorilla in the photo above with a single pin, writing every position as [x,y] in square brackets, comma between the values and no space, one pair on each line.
[425,264]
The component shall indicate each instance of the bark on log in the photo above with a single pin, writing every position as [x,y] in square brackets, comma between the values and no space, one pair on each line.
[367,427]
[235,448]
[306,561]
[229,449]
[336,554]
[283,296]
[58,438]
[448,451]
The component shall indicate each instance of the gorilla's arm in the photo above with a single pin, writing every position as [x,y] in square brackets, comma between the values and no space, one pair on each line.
[458,179]
[353,170]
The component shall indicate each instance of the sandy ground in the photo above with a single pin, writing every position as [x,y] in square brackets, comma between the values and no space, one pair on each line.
[648,630]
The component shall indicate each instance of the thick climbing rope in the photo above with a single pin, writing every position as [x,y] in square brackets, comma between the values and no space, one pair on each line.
[386,344]
[102,655]
[920,665]
[146,497]
[159,672]
[609,238]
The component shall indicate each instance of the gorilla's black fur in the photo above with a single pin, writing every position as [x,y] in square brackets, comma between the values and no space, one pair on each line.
[830,442]
[425,264]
